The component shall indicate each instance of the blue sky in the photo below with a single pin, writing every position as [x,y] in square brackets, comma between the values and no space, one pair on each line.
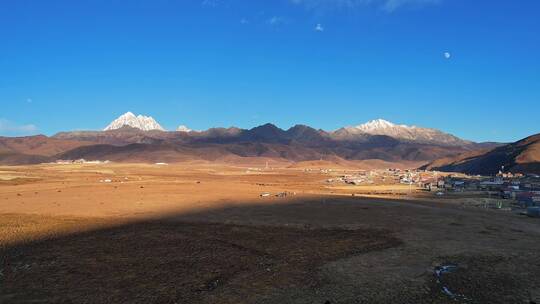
[68,65]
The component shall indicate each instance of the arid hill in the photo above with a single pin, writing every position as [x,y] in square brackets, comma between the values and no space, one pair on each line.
[34,149]
[521,156]
[39,145]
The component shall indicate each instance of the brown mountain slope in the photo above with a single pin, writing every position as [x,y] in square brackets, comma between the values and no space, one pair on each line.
[123,136]
[170,152]
[38,145]
[521,156]
[34,149]
[292,151]
[13,158]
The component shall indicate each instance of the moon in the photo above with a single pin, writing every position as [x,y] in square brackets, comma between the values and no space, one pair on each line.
[447,55]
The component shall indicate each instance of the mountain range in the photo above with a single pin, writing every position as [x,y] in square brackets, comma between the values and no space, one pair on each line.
[139,138]
[375,127]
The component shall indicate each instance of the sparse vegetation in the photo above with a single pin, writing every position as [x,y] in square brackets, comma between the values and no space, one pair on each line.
[200,233]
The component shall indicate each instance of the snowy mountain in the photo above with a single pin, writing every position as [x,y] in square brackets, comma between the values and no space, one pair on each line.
[145,123]
[379,127]
[403,132]
[359,133]
[183,128]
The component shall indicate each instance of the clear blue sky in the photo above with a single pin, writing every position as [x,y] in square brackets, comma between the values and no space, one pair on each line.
[68,65]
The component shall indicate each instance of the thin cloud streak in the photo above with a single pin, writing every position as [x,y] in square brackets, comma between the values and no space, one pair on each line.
[210,3]
[386,5]
[276,21]
[9,128]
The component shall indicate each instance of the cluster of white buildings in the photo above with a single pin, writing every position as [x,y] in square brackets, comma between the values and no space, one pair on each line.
[80,161]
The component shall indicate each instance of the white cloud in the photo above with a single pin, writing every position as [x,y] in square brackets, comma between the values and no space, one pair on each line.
[276,20]
[319,28]
[9,128]
[386,5]
[210,3]
[244,21]
[392,5]
[447,55]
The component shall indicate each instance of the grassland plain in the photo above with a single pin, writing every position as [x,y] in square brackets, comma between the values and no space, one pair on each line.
[200,233]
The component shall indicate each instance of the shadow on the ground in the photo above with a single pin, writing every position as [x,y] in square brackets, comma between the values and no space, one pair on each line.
[212,256]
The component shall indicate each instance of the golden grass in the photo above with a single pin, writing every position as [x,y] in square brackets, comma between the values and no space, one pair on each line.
[23,228]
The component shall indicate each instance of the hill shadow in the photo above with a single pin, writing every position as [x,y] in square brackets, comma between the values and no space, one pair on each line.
[240,254]
[178,258]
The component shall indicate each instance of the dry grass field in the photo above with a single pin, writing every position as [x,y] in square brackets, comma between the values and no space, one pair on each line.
[201,233]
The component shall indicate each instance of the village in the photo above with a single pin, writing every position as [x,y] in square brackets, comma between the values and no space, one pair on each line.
[514,192]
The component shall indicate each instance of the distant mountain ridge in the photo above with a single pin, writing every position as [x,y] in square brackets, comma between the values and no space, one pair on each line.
[297,143]
[140,138]
[355,133]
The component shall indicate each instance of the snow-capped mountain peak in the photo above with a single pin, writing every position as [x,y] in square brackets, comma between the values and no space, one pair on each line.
[376,124]
[402,132]
[183,128]
[145,123]
[384,127]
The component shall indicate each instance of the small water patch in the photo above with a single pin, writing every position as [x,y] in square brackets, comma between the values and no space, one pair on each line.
[440,272]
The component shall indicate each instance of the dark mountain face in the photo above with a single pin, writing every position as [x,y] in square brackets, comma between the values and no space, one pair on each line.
[267,133]
[521,156]
[215,135]
[308,135]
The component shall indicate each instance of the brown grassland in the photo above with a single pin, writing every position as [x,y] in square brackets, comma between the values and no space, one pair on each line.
[201,233]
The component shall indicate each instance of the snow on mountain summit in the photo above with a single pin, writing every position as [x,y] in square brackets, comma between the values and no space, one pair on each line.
[376,124]
[382,127]
[411,133]
[183,128]
[145,123]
